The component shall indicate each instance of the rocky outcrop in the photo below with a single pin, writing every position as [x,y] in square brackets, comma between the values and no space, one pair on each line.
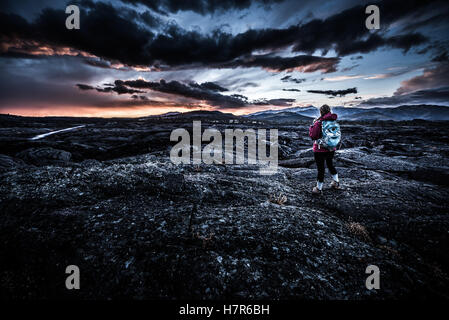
[43,156]
[7,162]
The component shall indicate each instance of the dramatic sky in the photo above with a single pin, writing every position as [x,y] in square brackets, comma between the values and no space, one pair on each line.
[141,57]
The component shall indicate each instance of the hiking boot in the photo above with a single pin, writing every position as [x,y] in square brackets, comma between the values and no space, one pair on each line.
[335,184]
[316,191]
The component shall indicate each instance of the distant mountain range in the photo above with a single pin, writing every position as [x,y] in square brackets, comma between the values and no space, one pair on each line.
[194,115]
[279,117]
[295,114]
[408,112]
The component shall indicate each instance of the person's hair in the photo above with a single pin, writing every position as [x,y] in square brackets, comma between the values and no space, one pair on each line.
[325,109]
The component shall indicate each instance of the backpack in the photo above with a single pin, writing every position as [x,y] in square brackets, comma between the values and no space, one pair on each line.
[331,134]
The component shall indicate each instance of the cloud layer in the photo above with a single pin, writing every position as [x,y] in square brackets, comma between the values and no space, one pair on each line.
[143,45]
[334,93]
[427,96]
[207,93]
[431,78]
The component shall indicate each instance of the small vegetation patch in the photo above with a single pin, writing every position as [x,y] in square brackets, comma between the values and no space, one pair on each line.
[359,230]
[206,240]
[279,199]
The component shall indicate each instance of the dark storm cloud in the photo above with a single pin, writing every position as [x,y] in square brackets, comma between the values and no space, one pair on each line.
[437,95]
[302,63]
[134,96]
[349,68]
[438,17]
[121,39]
[346,33]
[249,85]
[104,32]
[442,57]
[291,79]
[192,90]
[210,86]
[132,104]
[146,17]
[335,93]
[178,47]
[375,41]
[207,92]
[97,63]
[199,6]
[294,90]
[118,88]
[27,8]
[439,49]
[84,86]
[276,102]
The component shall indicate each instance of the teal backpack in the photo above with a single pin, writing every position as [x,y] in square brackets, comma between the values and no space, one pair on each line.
[331,134]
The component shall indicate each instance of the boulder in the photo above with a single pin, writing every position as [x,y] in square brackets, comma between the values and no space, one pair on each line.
[7,162]
[44,156]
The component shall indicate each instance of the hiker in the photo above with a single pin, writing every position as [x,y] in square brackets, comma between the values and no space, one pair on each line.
[325,133]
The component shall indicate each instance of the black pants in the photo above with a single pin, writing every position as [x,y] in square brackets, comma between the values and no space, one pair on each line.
[320,158]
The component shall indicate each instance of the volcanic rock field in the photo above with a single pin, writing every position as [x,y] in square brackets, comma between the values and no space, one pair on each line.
[105,196]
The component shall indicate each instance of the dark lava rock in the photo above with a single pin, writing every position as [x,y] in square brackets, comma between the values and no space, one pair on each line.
[43,156]
[139,226]
[7,162]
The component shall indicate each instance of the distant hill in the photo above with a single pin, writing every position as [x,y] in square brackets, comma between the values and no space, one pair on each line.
[365,115]
[194,115]
[309,111]
[203,114]
[283,117]
[424,112]
[287,115]
[407,112]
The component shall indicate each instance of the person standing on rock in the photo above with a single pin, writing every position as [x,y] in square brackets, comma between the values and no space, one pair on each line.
[325,133]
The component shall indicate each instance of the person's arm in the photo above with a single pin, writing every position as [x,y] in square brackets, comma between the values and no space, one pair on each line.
[315,130]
